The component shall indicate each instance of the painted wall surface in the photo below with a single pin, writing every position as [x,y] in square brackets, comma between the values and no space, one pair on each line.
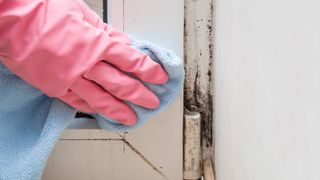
[267,90]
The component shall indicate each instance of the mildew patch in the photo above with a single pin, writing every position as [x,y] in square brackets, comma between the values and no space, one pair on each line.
[198,87]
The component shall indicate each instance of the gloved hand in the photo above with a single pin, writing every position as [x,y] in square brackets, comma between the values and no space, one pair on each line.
[65,50]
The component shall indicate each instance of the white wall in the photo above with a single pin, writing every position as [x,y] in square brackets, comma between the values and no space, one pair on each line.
[267,80]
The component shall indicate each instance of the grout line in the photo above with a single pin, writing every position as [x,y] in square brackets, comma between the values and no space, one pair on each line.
[94,139]
[126,143]
[143,157]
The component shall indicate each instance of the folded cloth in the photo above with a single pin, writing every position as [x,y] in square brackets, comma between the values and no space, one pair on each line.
[31,122]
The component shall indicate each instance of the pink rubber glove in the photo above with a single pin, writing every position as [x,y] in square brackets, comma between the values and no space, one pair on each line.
[65,50]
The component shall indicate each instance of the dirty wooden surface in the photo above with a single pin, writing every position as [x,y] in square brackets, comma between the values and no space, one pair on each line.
[192,147]
[198,92]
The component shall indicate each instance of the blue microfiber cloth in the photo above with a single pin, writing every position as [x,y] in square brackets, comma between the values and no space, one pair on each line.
[31,122]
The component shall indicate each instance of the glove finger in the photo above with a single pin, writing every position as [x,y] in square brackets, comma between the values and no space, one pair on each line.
[122,86]
[131,60]
[95,20]
[118,36]
[123,56]
[76,102]
[103,102]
